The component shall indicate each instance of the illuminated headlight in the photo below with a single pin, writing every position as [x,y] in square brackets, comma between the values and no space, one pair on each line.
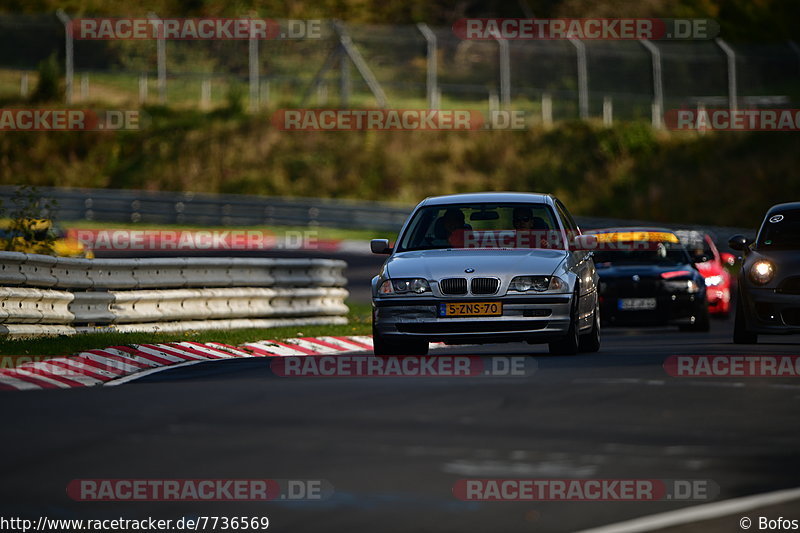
[536,283]
[713,281]
[404,285]
[682,285]
[762,272]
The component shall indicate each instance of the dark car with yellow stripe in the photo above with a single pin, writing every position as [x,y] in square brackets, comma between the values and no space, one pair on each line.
[39,236]
[647,278]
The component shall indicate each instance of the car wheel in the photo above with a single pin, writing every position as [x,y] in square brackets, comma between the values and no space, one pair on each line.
[570,343]
[740,333]
[590,342]
[382,345]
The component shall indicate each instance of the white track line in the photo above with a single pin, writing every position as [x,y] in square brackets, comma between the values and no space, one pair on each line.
[151,371]
[735,506]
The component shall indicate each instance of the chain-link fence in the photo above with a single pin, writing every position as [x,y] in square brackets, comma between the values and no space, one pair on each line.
[348,65]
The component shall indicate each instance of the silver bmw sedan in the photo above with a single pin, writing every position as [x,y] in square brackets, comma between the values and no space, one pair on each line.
[486,268]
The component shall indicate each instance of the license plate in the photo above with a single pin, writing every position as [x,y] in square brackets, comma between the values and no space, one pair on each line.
[471,309]
[637,304]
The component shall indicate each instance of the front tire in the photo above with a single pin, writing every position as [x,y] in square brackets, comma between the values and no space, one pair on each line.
[570,344]
[590,342]
[741,335]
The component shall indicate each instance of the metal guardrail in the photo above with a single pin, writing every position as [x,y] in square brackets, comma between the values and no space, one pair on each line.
[62,295]
[114,205]
[125,206]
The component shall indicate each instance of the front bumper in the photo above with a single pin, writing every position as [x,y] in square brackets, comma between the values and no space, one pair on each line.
[771,312]
[539,318]
[671,309]
[718,299]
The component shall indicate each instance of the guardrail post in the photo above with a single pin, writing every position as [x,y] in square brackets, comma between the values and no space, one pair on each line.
[657,107]
[69,53]
[432,72]
[608,111]
[23,85]
[733,100]
[583,78]
[547,110]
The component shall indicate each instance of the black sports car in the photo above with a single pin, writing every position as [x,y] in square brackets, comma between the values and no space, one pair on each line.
[769,281]
[647,278]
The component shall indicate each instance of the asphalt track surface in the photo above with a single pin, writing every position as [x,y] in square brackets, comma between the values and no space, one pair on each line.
[394,447]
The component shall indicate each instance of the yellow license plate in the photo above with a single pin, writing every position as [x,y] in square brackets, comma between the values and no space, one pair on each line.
[471,309]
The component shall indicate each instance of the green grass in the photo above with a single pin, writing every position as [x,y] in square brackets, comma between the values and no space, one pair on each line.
[322,233]
[358,317]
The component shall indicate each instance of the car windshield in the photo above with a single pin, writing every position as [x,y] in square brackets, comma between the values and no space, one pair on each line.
[781,231]
[639,248]
[696,244]
[528,225]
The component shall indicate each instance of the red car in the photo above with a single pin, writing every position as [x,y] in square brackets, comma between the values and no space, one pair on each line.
[713,268]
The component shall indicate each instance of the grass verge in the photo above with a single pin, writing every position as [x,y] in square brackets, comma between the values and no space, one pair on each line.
[358,317]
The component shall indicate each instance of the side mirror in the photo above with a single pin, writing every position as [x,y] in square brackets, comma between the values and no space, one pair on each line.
[380,246]
[585,242]
[699,259]
[739,243]
[728,259]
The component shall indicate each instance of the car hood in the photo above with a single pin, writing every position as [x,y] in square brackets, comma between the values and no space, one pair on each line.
[647,271]
[438,264]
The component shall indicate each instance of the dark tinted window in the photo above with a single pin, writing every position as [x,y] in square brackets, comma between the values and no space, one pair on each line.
[781,231]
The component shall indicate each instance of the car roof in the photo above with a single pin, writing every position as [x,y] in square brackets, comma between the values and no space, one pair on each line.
[499,197]
[782,207]
[625,229]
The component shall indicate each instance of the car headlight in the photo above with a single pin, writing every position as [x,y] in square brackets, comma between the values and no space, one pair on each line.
[762,272]
[536,283]
[404,285]
[713,281]
[683,285]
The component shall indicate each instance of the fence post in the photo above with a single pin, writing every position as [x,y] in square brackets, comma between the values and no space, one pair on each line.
[344,81]
[254,79]
[608,111]
[505,72]
[349,50]
[583,78]
[432,75]
[69,53]
[161,52]
[733,100]
[23,85]
[547,110]
[657,108]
